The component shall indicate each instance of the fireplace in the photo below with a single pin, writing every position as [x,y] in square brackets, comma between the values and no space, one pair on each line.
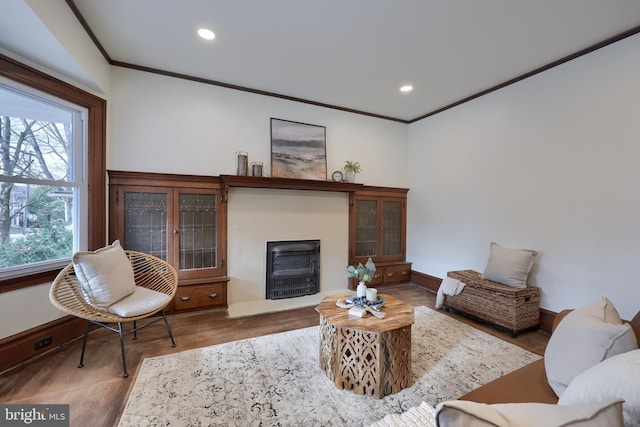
[293,268]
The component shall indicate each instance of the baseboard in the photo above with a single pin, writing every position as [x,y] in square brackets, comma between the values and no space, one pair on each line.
[432,283]
[21,347]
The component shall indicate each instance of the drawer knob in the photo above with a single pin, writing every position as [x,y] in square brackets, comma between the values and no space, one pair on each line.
[213,295]
[389,274]
[404,273]
[185,298]
[376,276]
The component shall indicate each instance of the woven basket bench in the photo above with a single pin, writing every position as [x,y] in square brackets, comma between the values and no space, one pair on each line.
[511,308]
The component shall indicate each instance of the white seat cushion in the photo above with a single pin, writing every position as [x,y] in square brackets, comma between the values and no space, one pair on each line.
[142,301]
[106,274]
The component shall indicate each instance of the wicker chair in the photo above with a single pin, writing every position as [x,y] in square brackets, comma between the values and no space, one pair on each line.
[66,293]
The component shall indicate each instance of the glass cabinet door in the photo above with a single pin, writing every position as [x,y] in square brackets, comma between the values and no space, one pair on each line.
[391,232]
[197,231]
[197,223]
[366,228]
[146,222]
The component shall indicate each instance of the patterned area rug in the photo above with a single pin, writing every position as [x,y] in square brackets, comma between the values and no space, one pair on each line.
[275,380]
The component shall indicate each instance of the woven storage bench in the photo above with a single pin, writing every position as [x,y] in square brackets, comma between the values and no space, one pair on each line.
[511,308]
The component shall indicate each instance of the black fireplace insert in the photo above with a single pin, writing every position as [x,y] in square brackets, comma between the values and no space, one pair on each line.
[293,268]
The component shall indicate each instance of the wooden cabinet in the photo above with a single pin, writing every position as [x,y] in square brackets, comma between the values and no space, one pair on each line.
[377,229]
[180,219]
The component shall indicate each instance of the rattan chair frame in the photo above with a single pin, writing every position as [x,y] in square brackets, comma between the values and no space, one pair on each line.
[149,271]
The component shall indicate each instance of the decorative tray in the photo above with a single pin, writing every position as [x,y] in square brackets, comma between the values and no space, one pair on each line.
[362,301]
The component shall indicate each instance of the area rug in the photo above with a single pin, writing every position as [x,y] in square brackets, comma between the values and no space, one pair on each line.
[276,380]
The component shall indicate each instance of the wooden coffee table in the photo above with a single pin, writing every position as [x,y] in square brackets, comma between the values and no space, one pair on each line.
[367,355]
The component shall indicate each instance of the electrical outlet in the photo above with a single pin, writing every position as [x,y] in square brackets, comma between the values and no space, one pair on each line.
[43,343]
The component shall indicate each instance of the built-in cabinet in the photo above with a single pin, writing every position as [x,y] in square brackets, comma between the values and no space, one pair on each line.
[180,219]
[378,229]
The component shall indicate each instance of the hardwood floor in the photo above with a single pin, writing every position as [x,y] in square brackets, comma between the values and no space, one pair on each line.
[97,393]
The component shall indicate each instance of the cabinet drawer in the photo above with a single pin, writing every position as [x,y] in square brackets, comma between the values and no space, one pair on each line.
[397,273]
[201,296]
[378,277]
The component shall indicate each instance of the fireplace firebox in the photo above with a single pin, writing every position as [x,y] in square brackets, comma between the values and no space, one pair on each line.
[293,268]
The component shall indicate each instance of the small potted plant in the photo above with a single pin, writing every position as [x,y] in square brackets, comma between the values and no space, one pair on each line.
[350,170]
[364,273]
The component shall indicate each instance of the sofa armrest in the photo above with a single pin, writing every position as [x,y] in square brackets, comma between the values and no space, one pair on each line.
[527,384]
[558,318]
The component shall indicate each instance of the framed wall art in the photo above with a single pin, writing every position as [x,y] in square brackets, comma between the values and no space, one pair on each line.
[298,150]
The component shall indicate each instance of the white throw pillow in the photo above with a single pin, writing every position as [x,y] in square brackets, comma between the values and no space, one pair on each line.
[461,413]
[618,376]
[584,338]
[510,267]
[106,274]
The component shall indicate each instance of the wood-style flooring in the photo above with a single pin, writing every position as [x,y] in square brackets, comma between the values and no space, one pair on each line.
[98,393]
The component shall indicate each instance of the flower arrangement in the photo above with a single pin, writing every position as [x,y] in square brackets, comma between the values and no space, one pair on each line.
[364,273]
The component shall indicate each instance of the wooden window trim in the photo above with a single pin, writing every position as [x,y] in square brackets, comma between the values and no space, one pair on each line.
[96,157]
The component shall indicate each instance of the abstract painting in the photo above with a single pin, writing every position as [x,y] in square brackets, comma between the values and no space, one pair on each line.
[298,150]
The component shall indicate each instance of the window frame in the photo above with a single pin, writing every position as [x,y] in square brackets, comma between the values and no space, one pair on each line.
[95,155]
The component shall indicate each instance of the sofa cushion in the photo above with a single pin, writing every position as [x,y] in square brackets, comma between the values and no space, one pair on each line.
[471,414]
[584,338]
[618,376]
[510,267]
[106,274]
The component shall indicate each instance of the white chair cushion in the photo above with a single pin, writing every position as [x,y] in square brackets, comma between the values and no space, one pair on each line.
[618,376]
[142,301]
[584,338]
[510,267]
[460,413]
[106,274]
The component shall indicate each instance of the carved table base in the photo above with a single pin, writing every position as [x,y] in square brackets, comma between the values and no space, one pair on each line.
[367,362]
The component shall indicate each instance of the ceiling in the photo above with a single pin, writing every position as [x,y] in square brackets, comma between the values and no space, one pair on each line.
[355,54]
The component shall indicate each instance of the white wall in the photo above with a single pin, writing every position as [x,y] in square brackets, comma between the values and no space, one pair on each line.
[162,124]
[550,163]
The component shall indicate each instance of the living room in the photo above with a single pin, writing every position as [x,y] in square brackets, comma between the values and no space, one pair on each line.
[548,163]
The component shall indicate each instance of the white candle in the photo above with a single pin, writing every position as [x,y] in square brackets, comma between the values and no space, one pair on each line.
[372,294]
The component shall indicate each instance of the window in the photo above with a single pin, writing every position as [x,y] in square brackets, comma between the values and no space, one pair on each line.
[43,190]
[52,174]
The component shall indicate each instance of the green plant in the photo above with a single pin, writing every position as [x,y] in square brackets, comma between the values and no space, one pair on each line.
[364,273]
[352,166]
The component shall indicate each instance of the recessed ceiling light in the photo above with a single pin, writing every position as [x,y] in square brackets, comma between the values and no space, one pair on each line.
[406,88]
[206,34]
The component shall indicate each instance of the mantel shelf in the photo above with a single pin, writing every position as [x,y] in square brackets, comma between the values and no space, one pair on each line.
[288,183]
